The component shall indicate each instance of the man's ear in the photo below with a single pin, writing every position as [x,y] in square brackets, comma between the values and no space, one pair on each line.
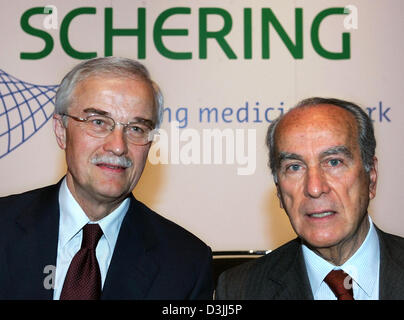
[60,130]
[373,179]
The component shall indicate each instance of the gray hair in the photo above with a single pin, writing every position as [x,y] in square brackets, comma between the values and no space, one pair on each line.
[115,66]
[366,136]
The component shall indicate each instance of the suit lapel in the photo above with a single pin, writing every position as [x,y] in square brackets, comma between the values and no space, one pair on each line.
[133,267]
[391,283]
[33,254]
[292,277]
[281,275]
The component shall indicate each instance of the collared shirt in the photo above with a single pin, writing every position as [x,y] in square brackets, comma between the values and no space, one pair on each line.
[72,220]
[363,267]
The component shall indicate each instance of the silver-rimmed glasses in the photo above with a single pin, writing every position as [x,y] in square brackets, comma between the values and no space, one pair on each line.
[100,126]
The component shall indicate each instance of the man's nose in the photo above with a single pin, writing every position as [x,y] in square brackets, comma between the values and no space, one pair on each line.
[116,142]
[316,183]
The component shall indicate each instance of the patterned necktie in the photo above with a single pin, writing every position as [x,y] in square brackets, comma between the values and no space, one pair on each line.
[83,279]
[341,284]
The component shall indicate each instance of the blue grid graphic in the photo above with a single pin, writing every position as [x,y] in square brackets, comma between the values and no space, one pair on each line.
[24,109]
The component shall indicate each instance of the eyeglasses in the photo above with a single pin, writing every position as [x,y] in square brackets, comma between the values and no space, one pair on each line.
[100,126]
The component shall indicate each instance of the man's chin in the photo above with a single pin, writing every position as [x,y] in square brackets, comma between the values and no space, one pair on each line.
[111,193]
[321,242]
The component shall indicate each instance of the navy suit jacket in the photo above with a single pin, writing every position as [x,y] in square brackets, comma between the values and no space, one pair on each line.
[282,274]
[153,258]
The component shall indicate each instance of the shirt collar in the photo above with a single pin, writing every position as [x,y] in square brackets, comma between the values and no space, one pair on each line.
[362,266]
[73,218]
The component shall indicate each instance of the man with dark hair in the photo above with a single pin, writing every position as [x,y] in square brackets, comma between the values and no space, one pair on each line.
[322,157]
[87,237]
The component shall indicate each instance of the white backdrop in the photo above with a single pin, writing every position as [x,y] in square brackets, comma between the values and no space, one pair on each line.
[227,210]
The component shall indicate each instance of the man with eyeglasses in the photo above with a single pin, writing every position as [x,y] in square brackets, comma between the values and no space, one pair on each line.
[87,237]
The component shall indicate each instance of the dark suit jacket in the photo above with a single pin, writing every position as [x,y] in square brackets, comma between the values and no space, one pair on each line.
[153,257]
[282,274]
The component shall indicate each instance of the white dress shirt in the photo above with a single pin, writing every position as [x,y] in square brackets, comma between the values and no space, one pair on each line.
[72,220]
[363,267]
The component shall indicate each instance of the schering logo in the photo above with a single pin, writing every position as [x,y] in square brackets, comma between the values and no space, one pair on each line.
[261,41]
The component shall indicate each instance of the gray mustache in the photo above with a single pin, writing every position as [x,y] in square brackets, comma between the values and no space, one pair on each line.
[116,161]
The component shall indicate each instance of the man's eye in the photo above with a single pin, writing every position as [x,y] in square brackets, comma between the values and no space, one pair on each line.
[334,162]
[293,167]
[136,129]
[98,122]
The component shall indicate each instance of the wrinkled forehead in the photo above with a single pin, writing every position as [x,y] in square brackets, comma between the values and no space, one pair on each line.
[105,76]
[114,95]
[315,121]
[95,85]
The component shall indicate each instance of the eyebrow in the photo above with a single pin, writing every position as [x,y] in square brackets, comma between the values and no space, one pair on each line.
[338,150]
[289,156]
[330,151]
[146,122]
[96,111]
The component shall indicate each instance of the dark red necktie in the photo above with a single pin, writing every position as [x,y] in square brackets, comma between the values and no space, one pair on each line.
[83,279]
[341,284]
